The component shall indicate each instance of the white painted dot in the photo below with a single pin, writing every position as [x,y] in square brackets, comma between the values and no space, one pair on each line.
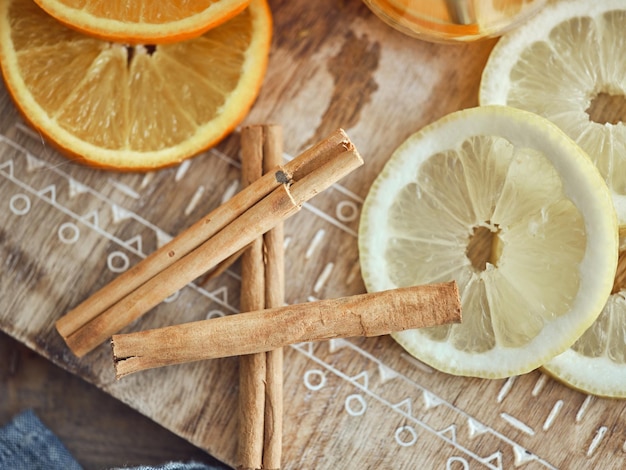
[172,297]
[355,405]
[406,436]
[68,233]
[347,211]
[118,262]
[19,204]
[314,379]
[452,460]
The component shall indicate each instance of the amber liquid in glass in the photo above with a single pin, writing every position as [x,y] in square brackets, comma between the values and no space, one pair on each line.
[454,20]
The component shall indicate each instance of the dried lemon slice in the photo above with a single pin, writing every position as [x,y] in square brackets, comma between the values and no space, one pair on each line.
[503,202]
[566,64]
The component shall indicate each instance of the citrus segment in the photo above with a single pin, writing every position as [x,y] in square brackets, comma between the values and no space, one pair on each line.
[143,21]
[503,202]
[566,64]
[134,107]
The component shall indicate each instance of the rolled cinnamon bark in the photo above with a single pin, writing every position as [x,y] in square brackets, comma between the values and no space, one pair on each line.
[147,284]
[372,314]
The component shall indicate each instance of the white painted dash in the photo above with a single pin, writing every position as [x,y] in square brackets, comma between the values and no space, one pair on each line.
[583,408]
[506,388]
[147,179]
[541,382]
[554,412]
[417,363]
[597,439]
[195,199]
[182,169]
[124,188]
[315,242]
[516,423]
[323,277]
[287,242]
[230,190]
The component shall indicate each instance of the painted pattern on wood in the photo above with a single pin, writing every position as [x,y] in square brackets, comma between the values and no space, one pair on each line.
[67,230]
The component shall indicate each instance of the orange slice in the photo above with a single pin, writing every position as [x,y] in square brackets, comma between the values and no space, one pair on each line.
[143,21]
[132,107]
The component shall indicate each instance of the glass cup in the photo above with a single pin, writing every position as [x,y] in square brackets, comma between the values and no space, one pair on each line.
[454,20]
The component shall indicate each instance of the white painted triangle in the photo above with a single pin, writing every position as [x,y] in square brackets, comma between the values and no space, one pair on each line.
[136,242]
[221,293]
[7,167]
[431,400]
[120,213]
[405,406]
[33,163]
[92,218]
[77,188]
[494,459]
[476,428]
[449,432]
[522,456]
[50,191]
[162,238]
[386,373]
[362,378]
[336,344]
[306,347]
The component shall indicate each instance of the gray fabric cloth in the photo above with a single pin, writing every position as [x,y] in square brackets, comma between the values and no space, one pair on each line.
[27,444]
[172,466]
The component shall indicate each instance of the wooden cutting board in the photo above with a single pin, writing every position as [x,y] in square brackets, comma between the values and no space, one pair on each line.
[66,230]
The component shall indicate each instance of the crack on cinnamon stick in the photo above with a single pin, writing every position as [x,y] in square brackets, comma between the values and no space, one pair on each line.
[364,329]
[118,359]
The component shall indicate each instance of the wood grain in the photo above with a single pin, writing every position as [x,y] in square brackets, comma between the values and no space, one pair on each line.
[65,230]
[98,430]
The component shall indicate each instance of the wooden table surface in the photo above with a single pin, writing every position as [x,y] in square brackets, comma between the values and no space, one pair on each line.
[98,430]
[66,230]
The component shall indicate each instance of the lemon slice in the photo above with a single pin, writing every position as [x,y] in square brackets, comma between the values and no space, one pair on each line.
[503,202]
[566,64]
[556,65]
[597,361]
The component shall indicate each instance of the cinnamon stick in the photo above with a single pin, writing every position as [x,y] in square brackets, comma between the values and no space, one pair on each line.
[252,366]
[277,206]
[221,267]
[273,242]
[371,314]
[179,247]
